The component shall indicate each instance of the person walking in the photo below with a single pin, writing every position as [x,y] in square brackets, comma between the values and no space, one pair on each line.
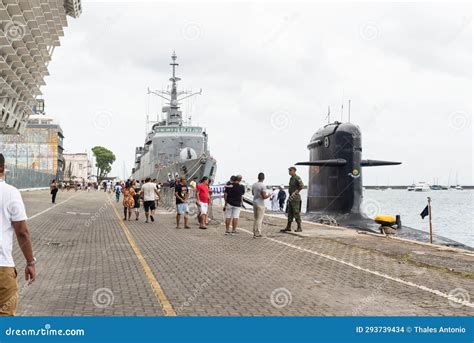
[259,195]
[233,197]
[148,193]
[12,219]
[181,192]
[157,196]
[128,200]
[54,190]
[282,197]
[118,190]
[136,198]
[193,183]
[294,200]
[274,199]
[203,200]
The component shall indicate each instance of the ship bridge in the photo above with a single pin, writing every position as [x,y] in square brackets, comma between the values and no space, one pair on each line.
[29,33]
[178,129]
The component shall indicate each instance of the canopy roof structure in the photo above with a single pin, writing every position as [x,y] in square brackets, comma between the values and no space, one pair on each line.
[29,32]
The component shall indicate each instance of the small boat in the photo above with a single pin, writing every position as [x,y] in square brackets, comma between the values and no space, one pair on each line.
[411,188]
[459,188]
[422,187]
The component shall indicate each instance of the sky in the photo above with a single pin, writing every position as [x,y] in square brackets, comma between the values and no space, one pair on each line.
[268,74]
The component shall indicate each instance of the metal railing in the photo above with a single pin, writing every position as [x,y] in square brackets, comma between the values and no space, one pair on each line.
[27,178]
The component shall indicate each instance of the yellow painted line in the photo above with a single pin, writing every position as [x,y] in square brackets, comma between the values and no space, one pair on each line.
[155,285]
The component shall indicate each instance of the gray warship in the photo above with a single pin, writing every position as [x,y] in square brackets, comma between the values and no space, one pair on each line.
[173,147]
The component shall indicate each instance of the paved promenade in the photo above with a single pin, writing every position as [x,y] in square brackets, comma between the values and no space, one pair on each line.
[90,262]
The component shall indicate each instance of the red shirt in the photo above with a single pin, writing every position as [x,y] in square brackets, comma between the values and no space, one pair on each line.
[202,191]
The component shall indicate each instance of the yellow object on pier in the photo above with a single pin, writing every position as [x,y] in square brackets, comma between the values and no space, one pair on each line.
[385,219]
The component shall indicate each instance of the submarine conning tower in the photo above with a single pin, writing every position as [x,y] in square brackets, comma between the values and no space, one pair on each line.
[335,176]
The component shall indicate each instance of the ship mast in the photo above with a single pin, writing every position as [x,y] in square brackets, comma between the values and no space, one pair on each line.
[174,115]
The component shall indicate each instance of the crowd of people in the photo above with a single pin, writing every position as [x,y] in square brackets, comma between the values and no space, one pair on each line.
[136,192]
[198,191]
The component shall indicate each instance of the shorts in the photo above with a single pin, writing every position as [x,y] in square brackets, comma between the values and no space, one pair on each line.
[203,208]
[182,208]
[232,211]
[149,205]
[137,203]
[8,291]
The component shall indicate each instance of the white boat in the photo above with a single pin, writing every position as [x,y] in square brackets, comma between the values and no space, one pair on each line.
[459,188]
[411,188]
[422,187]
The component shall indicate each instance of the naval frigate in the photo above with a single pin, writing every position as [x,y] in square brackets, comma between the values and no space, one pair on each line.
[174,147]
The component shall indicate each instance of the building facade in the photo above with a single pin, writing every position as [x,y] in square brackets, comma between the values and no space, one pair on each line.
[29,33]
[34,158]
[77,167]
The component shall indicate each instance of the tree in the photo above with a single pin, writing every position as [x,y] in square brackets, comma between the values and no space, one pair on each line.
[104,158]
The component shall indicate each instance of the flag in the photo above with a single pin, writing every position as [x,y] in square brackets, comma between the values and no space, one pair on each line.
[424,213]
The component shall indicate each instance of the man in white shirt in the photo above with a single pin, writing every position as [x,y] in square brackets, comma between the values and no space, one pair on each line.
[274,199]
[148,192]
[259,196]
[12,219]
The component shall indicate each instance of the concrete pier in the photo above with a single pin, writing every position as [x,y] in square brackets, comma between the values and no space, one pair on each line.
[91,262]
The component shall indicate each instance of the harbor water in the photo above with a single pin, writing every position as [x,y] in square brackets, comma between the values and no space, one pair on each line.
[451,209]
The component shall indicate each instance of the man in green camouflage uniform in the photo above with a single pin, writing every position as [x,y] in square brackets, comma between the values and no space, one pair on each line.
[294,200]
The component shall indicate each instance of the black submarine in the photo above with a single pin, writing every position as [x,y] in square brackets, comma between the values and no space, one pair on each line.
[335,182]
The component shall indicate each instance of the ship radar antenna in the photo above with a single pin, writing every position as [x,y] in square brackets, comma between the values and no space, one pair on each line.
[173,97]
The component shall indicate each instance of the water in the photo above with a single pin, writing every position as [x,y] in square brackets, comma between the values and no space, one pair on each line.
[452,210]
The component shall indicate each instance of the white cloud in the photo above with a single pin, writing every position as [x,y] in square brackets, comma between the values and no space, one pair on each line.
[406,73]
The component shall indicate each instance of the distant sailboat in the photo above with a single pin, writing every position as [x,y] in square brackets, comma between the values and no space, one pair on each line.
[458,186]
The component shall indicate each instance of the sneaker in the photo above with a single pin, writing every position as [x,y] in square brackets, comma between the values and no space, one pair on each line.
[285,230]
[257,236]
[227,233]
[152,219]
[299,230]
[234,232]
[187,227]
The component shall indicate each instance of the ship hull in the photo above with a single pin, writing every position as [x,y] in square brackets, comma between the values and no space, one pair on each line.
[198,167]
